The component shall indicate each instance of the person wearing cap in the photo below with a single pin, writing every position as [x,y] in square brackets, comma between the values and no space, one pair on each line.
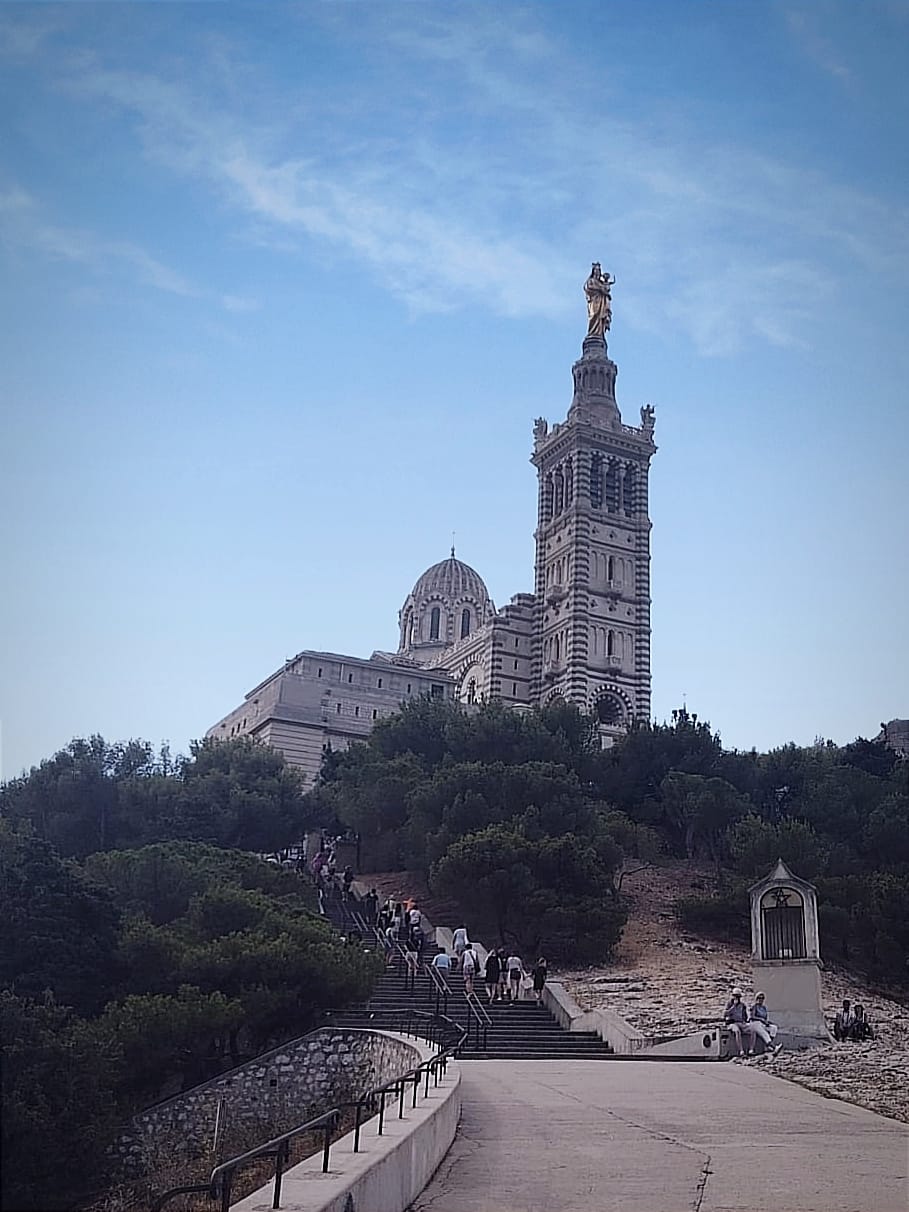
[761,1025]
[735,1016]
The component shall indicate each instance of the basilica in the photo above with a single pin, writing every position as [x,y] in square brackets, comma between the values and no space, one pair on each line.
[583,634]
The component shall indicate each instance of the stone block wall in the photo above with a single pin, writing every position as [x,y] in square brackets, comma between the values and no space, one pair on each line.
[263,1098]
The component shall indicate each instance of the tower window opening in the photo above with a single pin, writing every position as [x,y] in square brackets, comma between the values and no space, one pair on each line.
[514,690]
[609,711]
[350,677]
[610,643]
[612,487]
[629,491]
[379,684]
[409,688]
[375,714]
[465,623]
[516,664]
[338,709]
[596,481]
[610,569]
[320,671]
[435,619]
[356,710]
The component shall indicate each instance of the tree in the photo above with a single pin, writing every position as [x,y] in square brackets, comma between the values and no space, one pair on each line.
[58,1106]
[549,893]
[698,810]
[756,844]
[59,928]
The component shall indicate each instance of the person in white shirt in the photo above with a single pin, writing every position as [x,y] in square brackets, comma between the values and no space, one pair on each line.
[459,941]
[514,966]
[442,961]
[470,966]
[761,1026]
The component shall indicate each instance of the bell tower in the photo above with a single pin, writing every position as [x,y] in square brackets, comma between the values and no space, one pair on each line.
[591,634]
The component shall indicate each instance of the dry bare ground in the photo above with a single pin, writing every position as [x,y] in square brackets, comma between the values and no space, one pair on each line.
[667,982]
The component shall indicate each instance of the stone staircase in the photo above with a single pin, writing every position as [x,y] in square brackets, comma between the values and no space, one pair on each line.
[522,1030]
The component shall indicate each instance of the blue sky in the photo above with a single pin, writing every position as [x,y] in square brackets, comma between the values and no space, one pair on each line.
[282,289]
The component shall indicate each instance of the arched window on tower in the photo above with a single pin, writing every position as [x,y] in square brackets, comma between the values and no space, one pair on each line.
[465,623]
[629,490]
[610,569]
[435,619]
[596,481]
[612,487]
[559,491]
[548,496]
[569,481]
[610,643]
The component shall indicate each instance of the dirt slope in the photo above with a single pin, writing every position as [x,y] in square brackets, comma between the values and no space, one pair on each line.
[667,982]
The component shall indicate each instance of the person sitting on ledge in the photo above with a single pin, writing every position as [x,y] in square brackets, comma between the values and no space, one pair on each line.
[861,1028]
[842,1024]
[735,1016]
[761,1025]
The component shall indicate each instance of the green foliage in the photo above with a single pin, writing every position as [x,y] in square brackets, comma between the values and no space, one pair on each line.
[59,928]
[58,1107]
[724,915]
[435,778]
[549,893]
[698,810]
[157,1036]
[755,845]
[173,957]
[96,796]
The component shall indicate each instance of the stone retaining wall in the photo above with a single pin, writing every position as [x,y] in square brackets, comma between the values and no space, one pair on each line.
[264,1097]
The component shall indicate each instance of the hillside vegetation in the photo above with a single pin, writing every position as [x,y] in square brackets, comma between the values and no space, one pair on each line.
[525,821]
[145,947]
[133,973]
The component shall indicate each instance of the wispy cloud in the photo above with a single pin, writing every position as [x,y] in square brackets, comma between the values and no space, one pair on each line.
[24,227]
[805,25]
[503,207]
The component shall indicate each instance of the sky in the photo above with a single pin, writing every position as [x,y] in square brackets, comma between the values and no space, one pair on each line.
[283,288]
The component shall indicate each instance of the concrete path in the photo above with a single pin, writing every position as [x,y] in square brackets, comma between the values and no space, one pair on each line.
[572,1136]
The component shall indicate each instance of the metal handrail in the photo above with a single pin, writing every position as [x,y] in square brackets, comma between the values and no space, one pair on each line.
[442,988]
[221,1180]
[480,1018]
[437,1026]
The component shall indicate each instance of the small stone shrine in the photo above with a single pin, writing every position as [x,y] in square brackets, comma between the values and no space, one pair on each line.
[785,955]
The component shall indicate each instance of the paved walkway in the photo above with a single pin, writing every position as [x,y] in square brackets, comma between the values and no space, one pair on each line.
[571,1136]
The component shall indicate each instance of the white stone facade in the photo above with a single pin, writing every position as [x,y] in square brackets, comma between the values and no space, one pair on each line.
[583,635]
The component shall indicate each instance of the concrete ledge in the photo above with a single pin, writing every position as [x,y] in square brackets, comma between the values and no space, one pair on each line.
[390,1170]
[624,1039]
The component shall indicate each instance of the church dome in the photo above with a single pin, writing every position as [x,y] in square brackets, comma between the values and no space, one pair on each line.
[447,604]
[451,579]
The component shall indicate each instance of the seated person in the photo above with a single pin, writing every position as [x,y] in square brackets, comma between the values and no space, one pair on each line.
[861,1028]
[735,1016]
[761,1025]
[842,1024]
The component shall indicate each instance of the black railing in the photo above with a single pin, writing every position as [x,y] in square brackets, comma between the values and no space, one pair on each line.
[439,986]
[442,1032]
[480,1021]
